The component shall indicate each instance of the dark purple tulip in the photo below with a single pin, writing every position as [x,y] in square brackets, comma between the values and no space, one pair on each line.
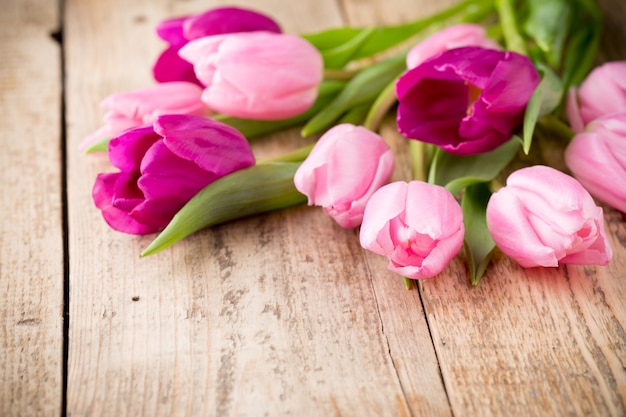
[466,100]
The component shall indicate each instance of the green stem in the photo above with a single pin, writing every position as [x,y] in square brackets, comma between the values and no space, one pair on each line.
[339,74]
[418,160]
[385,100]
[408,283]
[557,127]
[297,155]
[512,37]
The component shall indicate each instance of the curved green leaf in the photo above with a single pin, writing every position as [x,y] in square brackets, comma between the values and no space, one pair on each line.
[478,243]
[254,190]
[457,172]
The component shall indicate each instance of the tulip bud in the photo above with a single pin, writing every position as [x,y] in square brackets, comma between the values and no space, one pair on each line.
[256,75]
[451,37]
[346,166]
[178,31]
[543,217]
[139,107]
[416,225]
[597,158]
[603,92]
[162,166]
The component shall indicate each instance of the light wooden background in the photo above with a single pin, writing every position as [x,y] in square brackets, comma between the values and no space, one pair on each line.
[276,315]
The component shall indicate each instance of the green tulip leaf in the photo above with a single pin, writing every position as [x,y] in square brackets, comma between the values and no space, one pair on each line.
[100,146]
[457,172]
[478,243]
[583,42]
[545,99]
[548,24]
[253,190]
[363,88]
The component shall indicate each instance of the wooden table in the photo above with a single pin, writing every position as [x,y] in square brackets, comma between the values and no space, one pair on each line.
[275,315]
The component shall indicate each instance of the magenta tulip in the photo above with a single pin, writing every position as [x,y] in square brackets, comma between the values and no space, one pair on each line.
[455,36]
[177,32]
[544,217]
[346,166]
[603,92]
[416,225]
[139,107]
[597,158]
[465,100]
[162,166]
[256,75]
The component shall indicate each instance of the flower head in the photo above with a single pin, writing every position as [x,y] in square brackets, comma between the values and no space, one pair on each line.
[346,166]
[544,217]
[451,37]
[256,75]
[162,166]
[603,92]
[465,100]
[597,158]
[177,32]
[138,107]
[416,225]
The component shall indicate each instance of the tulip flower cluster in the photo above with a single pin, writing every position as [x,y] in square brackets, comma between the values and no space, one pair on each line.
[467,103]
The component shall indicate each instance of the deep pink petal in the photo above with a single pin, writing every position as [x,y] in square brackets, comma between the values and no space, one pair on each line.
[127,149]
[212,145]
[227,20]
[118,219]
[171,30]
[169,66]
[165,175]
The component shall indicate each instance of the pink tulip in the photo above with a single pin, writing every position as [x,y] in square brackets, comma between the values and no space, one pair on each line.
[256,75]
[346,166]
[455,36]
[416,225]
[597,158]
[162,166]
[136,108]
[465,100]
[177,32]
[603,92]
[544,217]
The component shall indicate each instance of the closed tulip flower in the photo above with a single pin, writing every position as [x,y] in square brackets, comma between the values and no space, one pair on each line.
[544,217]
[256,75]
[162,166]
[597,158]
[346,166]
[451,37]
[603,92]
[138,107]
[416,225]
[465,100]
[177,32]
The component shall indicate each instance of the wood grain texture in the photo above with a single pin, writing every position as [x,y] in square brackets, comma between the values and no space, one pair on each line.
[274,315]
[284,314]
[31,232]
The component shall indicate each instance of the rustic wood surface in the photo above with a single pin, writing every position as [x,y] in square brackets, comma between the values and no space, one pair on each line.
[276,315]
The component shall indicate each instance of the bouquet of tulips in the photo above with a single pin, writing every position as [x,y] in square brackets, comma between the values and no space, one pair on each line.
[474,88]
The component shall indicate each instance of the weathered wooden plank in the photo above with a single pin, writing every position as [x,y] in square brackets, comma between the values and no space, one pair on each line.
[273,315]
[31,233]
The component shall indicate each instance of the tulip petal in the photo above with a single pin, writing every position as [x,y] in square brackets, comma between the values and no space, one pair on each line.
[127,149]
[213,146]
[166,175]
[117,219]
